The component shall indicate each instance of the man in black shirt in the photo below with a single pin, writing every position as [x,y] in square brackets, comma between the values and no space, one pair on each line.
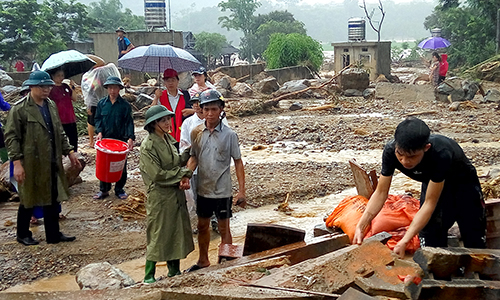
[450,188]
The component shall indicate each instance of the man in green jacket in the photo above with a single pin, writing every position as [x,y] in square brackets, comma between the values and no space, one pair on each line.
[36,143]
[113,120]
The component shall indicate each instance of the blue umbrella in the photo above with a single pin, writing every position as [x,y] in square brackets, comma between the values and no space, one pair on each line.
[434,42]
[157,58]
[71,62]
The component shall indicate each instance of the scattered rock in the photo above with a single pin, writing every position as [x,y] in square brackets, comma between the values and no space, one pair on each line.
[357,79]
[353,93]
[470,89]
[5,79]
[225,93]
[293,86]
[261,76]
[369,93]
[143,100]
[492,95]
[267,85]
[454,106]
[243,89]
[102,276]
[295,106]
[73,173]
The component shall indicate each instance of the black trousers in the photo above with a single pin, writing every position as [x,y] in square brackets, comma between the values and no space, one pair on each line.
[72,134]
[461,203]
[106,186]
[50,215]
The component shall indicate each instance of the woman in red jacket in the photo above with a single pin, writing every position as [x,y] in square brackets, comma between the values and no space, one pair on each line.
[443,67]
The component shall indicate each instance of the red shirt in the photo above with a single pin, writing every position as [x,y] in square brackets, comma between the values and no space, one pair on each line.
[61,95]
[19,66]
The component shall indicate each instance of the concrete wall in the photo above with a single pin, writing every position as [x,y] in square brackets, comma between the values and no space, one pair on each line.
[106,47]
[242,70]
[365,52]
[291,73]
[19,77]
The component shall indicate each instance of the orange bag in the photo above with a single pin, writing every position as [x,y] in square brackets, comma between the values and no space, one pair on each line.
[347,214]
[398,211]
[398,234]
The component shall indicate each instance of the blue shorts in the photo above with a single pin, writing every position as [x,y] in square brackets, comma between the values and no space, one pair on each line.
[206,207]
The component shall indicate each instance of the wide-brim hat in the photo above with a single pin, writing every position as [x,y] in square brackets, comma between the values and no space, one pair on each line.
[195,97]
[156,112]
[39,78]
[120,29]
[200,70]
[113,80]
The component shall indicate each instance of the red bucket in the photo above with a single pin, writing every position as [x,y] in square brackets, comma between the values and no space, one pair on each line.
[110,159]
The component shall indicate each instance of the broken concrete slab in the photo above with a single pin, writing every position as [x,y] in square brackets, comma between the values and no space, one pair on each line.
[492,95]
[267,85]
[102,276]
[261,237]
[400,92]
[333,272]
[357,79]
[353,294]
[322,229]
[459,289]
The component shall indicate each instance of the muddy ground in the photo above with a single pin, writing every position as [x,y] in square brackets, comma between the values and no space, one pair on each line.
[308,138]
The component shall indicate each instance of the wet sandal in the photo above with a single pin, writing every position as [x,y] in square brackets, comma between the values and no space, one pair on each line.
[193,268]
[122,196]
[100,196]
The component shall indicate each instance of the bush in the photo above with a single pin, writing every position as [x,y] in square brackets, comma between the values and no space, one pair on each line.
[287,50]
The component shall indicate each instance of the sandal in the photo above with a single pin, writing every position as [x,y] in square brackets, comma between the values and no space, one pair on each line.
[122,196]
[100,195]
[193,268]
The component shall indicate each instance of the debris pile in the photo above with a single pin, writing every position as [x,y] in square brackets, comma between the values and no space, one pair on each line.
[134,207]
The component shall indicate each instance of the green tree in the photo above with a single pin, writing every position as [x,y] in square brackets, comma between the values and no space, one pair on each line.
[240,18]
[210,44]
[110,15]
[274,22]
[286,50]
[470,28]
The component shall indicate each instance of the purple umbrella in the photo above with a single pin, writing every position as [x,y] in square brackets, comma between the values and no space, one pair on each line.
[434,42]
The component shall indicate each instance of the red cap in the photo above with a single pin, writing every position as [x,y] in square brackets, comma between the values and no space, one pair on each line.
[170,73]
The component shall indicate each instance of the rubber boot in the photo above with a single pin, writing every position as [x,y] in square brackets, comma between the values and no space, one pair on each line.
[173,267]
[150,272]
[4,156]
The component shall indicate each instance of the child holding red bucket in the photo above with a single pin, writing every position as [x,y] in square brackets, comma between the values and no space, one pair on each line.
[113,120]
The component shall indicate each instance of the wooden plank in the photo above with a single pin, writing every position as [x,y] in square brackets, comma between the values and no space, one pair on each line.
[262,237]
[365,183]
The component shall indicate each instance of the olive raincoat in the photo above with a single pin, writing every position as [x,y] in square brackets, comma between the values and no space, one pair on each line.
[169,234]
[28,140]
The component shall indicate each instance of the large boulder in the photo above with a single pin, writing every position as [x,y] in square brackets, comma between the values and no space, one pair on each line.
[470,89]
[357,79]
[292,86]
[102,276]
[143,100]
[73,173]
[492,95]
[5,79]
[267,85]
[243,89]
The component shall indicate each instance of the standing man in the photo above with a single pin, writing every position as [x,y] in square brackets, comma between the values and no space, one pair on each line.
[174,100]
[124,44]
[113,119]
[213,146]
[36,142]
[450,188]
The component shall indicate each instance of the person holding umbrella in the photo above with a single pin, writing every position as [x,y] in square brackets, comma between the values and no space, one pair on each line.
[36,143]
[169,235]
[174,100]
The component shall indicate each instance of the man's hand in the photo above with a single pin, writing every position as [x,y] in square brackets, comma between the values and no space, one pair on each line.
[184,184]
[158,93]
[19,174]
[400,248]
[359,235]
[89,112]
[130,144]
[241,199]
[187,111]
[74,160]
[99,136]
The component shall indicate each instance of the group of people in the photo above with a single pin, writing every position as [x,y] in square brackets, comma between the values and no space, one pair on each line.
[190,146]
[438,68]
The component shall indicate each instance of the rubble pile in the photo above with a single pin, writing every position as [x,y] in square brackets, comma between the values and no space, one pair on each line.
[134,207]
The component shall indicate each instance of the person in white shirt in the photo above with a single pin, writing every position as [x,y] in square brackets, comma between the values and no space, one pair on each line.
[201,82]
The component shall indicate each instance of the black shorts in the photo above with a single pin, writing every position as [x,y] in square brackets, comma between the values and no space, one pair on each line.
[90,118]
[205,207]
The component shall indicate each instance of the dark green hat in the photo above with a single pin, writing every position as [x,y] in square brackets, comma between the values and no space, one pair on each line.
[39,78]
[113,80]
[156,112]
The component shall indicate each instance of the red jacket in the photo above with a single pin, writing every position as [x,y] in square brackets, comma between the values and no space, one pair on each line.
[177,119]
[443,66]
